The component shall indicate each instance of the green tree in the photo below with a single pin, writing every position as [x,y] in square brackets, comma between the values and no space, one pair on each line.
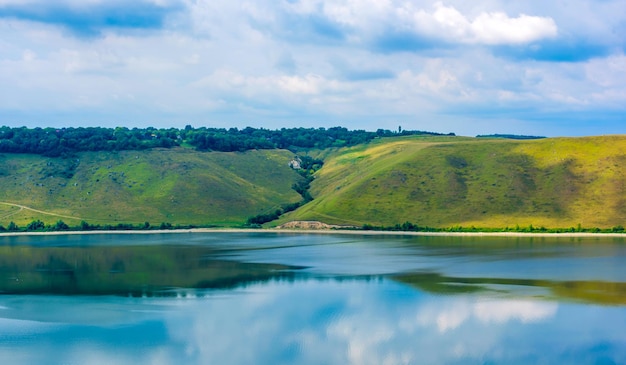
[84,226]
[165,225]
[13,227]
[35,225]
[61,226]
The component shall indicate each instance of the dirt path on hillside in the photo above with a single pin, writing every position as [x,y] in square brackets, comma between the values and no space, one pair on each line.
[23,207]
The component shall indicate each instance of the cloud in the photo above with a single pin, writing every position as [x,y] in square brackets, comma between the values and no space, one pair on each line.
[280,85]
[450,66]
[391,26]
[489,28]
[91,18]
[498,28]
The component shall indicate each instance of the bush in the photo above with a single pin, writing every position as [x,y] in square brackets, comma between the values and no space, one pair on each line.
[35,225]
[60,226]
[84,226]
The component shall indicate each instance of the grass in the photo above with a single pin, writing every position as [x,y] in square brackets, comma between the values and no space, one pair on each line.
[179,186]
[560,182]
[437,182]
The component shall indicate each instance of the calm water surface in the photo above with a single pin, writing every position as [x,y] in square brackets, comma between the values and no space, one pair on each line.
[279,298]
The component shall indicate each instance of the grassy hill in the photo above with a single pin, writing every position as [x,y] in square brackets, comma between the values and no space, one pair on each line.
[445,182]
[430,181]
[179,186]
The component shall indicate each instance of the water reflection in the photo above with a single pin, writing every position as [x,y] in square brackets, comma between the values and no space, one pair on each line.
[161,270]
[313,321]
[598,292]
[310,299]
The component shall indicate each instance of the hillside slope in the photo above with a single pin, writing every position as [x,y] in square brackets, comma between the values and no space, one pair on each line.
[555,182]
[178,186]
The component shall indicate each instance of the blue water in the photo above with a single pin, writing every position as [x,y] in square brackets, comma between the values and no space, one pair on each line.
[346,300]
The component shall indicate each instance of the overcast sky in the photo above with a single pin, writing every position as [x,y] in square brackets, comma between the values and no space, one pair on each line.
[554,68]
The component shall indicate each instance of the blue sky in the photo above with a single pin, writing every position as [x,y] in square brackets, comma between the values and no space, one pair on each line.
[550,68]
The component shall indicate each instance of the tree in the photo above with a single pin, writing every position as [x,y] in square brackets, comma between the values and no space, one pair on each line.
[13,227]
[84,226]
[61,226]
[35,225]
[165,225]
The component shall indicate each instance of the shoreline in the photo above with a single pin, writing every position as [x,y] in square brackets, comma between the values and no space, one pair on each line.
[321,231]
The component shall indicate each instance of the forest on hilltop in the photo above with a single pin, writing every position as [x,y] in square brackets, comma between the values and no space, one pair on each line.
[55,142]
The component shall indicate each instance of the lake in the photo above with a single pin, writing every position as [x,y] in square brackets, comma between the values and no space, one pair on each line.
[285,298]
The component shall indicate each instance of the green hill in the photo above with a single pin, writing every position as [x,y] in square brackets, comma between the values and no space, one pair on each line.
[439,182]
[178,186]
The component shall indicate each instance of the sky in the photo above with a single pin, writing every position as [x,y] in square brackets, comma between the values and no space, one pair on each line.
[532,67]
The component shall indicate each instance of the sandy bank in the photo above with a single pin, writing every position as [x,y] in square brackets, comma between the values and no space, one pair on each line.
[321,231]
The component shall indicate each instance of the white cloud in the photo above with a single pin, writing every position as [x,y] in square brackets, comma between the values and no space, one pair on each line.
[498,28]
[445,22]
[275,86]
[490,28]
[359,13]
[309,84]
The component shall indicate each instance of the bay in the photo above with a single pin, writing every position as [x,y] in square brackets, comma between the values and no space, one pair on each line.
[283,298]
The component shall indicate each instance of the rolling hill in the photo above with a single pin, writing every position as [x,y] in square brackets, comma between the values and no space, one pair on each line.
[446,182]
[178,186]
[435,181]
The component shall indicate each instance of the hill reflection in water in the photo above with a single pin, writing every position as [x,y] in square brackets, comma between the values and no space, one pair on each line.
[126,270]
[274,298]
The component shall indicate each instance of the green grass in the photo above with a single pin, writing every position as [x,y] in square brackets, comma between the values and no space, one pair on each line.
[429,181]
[179,186]
[560,182]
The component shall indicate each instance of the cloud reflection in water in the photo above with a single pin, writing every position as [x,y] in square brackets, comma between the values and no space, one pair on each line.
[356,322]
[360,321]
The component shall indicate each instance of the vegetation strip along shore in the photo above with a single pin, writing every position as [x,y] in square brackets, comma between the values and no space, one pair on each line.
[320,231]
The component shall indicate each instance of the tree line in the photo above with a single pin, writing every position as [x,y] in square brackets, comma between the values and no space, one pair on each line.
[55,142]
[60,226]
[256,222]
[411,227]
